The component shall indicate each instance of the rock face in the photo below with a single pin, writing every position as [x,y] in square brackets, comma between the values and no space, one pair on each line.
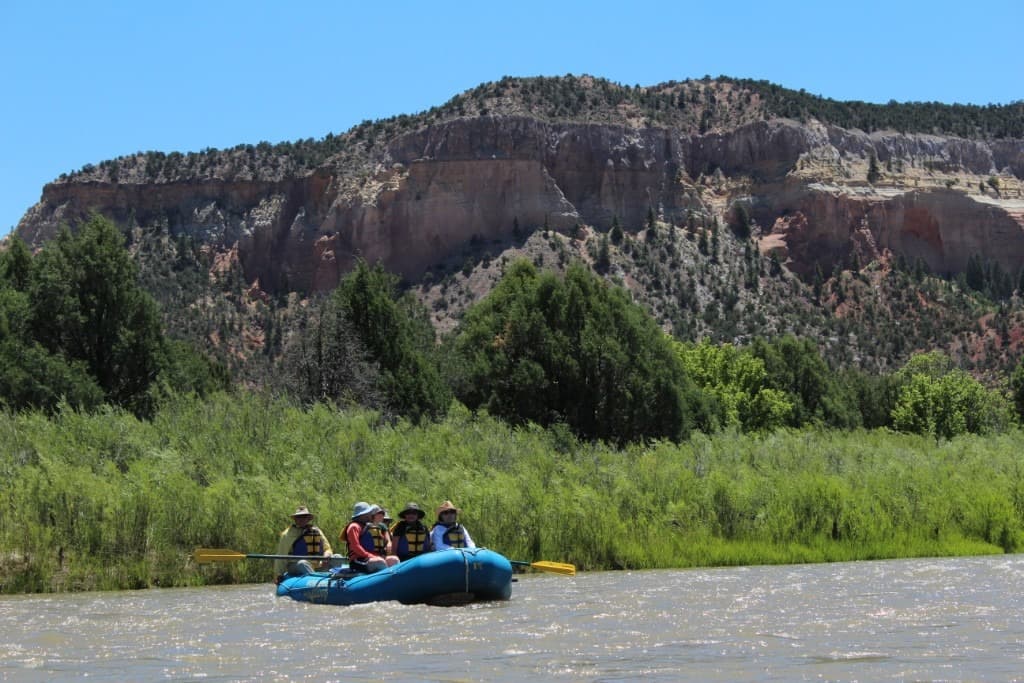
[433,191]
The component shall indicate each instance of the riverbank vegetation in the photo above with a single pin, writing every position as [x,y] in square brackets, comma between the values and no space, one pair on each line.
[108,500]
[559,415]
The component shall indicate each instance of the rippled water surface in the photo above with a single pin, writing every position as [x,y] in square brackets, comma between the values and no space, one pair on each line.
[944,619]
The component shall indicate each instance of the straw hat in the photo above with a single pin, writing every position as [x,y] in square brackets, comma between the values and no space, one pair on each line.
[445,506]
[302,511]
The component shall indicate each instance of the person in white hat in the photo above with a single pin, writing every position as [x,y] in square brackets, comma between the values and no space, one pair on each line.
[447,532]
[302,538]
[362,554]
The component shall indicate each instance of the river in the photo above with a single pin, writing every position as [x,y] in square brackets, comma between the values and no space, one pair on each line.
[959,619]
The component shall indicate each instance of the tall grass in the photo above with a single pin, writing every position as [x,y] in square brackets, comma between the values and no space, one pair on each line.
[98,501]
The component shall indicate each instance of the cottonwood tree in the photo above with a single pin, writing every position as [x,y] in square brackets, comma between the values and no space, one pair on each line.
[941,400]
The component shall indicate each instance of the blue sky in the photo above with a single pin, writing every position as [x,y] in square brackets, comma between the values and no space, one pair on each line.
[86,81]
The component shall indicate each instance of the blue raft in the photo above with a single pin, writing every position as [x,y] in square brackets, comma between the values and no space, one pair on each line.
[446,577]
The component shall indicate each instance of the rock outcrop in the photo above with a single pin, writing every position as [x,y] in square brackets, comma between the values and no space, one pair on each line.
[429,192]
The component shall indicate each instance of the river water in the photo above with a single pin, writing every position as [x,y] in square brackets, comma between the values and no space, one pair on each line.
[923,620]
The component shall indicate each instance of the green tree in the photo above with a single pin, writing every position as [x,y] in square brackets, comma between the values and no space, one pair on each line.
[16,264]
[87,306]
[30,375]
[183,369]
[875,396]
[741,221]
[616,235]
[603,260]
[873,173]
[1017,388]
[938,399]
[795,367]
[574,350]
[395,331]
[737,380]
[326,361]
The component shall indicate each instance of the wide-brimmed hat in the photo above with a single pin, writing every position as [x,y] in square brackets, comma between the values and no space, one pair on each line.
[387,518]
[445,507]
[412,507]
[361,509]
[302,511]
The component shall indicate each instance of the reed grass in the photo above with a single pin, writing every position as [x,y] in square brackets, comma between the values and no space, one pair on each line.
[104,500]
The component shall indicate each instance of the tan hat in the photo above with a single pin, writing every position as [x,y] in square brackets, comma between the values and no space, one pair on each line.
[302,511]
[446,506]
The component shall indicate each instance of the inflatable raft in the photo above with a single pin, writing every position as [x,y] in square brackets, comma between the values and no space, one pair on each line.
[445,577]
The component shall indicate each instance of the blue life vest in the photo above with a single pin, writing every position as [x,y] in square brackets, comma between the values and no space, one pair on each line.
[365,540]
[454,536]
[311,542]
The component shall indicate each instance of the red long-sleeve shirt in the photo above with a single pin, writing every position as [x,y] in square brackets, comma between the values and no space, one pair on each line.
[356,551]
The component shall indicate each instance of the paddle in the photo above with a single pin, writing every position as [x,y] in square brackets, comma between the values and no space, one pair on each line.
[205,555]
[545,566]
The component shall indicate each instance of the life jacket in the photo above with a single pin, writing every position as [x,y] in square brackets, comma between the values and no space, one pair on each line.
[365,540]
[454,536]
[311,542]
[380,544]
[410,539]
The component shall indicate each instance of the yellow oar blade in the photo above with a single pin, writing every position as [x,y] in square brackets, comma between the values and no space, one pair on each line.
[555,567]
[206,555]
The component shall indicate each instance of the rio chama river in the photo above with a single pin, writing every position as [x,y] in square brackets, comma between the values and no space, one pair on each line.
[958,619]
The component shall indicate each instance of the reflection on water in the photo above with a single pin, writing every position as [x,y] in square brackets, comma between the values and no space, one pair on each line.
[945,619]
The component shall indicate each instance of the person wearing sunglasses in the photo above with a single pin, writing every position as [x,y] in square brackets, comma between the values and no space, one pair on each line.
[447,532]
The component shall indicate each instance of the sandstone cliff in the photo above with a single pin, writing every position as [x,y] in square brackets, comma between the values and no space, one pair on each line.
[425,194]
[543,168]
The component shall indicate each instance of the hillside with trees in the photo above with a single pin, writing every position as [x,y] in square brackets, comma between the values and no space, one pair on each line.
[718,394]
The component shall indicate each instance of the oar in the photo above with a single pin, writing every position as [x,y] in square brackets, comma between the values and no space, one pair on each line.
[205,555]
[545,566]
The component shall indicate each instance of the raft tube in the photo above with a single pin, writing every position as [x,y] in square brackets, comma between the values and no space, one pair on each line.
[452,576]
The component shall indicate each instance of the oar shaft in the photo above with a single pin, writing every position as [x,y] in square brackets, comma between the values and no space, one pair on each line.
[311,558]
[204,555]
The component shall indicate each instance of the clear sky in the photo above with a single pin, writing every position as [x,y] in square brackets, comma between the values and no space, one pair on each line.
[83,81]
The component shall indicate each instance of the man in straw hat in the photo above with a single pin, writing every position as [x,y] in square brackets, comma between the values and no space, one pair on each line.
[302,538]
[362,553]
[447,532]
[410,536]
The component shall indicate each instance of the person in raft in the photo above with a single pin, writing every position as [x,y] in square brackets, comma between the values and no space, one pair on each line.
[362,555]
[410,536]
[380,532]
[302,538]
[447,532]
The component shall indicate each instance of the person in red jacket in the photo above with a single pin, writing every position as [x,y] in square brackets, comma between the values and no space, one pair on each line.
[362,554]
